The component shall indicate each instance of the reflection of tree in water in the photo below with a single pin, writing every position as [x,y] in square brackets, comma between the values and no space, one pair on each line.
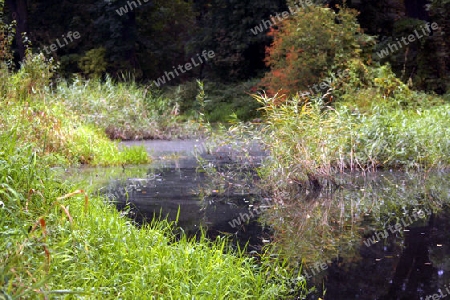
[332,227]
[413,268]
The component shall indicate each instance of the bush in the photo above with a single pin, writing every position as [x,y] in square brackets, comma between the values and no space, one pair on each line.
[93,63]
[309,46]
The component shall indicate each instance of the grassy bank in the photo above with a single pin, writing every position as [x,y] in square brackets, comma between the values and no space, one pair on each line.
[59,241]
[310,139]
[79,246]
[33,117]
[125,110]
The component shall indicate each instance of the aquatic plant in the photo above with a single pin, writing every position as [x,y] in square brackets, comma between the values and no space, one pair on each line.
[307,139]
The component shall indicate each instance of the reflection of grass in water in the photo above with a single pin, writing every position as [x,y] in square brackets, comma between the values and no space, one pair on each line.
[335,222]
[438,252]
[236,169]
[95,178]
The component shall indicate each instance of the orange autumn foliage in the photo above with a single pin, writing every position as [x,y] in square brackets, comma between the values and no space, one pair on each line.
[307,47]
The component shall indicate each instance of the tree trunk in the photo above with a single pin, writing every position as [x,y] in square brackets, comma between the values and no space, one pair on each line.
[19,12]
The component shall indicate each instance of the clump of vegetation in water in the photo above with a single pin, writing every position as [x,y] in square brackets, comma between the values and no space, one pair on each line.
[401,129]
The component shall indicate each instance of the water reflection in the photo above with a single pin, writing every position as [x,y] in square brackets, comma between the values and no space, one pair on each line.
[176,190]
[331,225]
[324,229]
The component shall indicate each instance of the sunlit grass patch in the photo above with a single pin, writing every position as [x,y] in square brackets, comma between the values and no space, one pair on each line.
[58,136]
[92,147]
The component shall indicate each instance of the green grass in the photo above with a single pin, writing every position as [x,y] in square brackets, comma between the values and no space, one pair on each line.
[59,138]
[58,240]
[33,115]
[313,138]
[125,110]
[80,246]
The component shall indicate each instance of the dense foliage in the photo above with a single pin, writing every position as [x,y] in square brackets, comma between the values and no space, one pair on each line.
[148,38]
[309,46]
[69,89]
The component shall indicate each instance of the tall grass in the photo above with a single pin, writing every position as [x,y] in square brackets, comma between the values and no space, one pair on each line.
[59,241]
[307,139]
[77,246]
[31,115]
[125,110]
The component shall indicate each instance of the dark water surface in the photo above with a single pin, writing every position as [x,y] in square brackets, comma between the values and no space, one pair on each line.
[352,228]
[345,233]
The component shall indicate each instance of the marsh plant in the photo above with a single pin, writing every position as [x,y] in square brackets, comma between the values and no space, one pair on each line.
[399,129]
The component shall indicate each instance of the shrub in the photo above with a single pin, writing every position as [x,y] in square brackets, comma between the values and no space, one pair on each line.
[93,63]
[308,46]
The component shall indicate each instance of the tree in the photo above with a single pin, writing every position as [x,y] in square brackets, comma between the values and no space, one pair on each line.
[19,13]
[308,46]
[225,26]
[6,39]
[163,33]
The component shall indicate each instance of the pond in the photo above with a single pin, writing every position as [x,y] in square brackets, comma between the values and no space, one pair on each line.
[382,235]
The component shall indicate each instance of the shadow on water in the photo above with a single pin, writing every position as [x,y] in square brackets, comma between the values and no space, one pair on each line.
[381,236]
[178,193]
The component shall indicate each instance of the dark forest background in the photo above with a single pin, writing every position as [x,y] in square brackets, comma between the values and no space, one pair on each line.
[159,34]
